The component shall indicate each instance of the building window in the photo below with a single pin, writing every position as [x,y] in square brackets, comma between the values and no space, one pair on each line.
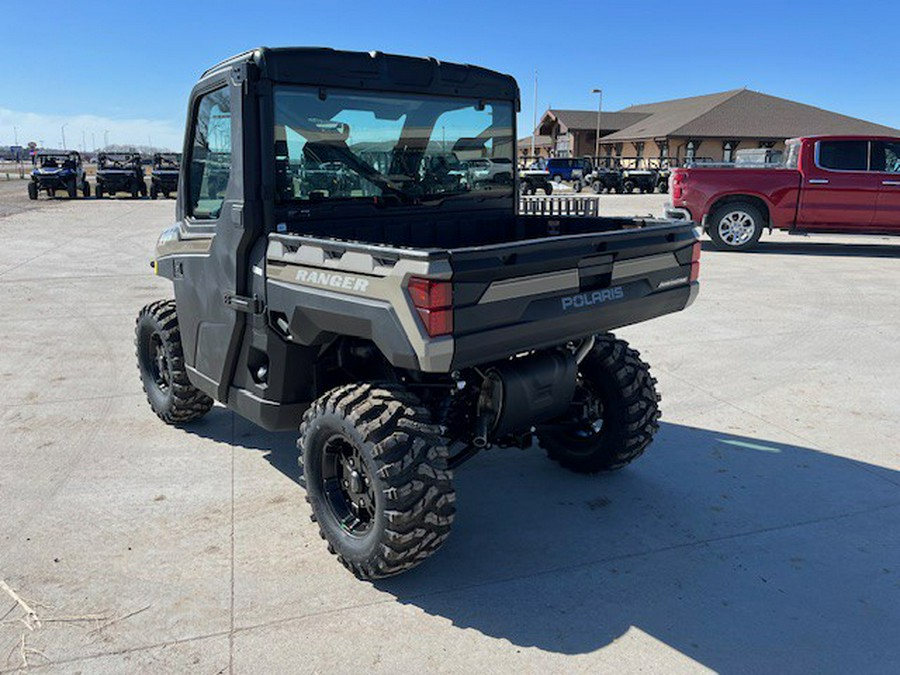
[728,148]
[691,151]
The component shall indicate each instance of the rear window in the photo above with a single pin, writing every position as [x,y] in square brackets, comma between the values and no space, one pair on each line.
[844,155]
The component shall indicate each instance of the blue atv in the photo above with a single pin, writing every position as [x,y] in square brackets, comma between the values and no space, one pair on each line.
[58,171]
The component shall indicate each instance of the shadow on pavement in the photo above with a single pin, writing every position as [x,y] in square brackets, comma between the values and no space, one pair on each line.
[812,247]
[736,552]
[744,555]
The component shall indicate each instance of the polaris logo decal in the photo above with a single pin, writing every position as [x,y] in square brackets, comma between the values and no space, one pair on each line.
[345,282]
[594,298]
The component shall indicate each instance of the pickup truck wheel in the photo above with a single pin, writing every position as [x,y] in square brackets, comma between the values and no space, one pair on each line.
[160,361]
[376,478]
[736,226]
[614,414]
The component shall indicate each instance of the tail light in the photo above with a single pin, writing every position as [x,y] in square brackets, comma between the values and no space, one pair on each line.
[679,178]
[695,262]
[433,301]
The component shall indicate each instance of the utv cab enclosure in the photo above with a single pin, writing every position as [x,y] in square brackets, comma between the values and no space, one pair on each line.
[164,174]
[334,272]
[120,172]
[58,171]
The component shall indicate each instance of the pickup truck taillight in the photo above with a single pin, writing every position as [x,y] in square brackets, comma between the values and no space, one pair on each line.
[433,301]
[679,178]
[695,262]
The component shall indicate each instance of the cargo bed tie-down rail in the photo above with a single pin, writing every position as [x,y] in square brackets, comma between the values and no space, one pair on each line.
[553,205]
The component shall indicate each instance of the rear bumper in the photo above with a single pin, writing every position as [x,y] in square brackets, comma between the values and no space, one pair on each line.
[677,213]
[637,306]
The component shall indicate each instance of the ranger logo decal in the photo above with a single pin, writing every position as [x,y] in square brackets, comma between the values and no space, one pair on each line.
[345,282]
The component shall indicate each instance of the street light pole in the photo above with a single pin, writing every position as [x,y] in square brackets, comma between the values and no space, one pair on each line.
[63,130]
[599,110]
[534,115]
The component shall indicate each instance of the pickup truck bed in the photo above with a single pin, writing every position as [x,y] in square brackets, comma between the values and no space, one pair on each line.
[532,283]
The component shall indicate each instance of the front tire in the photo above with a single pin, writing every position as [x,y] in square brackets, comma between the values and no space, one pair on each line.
[614,415]
[32,190]
[736,226]
[376,478]
[160,359]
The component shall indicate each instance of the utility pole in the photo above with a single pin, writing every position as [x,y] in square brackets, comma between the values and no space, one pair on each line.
[63,130]
[534,114]
[599,109]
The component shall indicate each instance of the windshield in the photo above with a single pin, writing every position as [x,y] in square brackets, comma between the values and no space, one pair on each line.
[408,148]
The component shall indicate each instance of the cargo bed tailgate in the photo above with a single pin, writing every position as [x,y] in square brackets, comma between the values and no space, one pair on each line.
[527,295]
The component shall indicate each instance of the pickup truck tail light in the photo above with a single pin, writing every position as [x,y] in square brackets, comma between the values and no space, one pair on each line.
[695,262]
[433,301]
[679,178]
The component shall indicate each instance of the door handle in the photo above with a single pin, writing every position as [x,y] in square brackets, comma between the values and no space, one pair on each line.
[890,182]
[818,181]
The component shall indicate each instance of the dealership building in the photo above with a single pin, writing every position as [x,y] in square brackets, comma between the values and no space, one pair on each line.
[709,127]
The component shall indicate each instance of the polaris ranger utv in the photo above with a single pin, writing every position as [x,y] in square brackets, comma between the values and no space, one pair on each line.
[331,274]
[164,174]
[120,172]
[59,171]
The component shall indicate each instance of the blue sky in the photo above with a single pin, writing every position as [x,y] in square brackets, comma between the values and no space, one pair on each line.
[836,55]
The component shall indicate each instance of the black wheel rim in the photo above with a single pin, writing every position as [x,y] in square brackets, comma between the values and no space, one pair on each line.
[348,488]
[583,426]
[158,363]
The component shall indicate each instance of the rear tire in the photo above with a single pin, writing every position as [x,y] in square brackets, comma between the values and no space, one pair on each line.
[85,189]
[557,178]
[32,190]
[98,192]
[376,478]
[615,413]
[154,193]
[628,187]
[160,359]
[597,187]
[578,186]
[72,189]
[736,226]
[548,189]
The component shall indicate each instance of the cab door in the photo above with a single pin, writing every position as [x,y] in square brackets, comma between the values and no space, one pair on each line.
[839,192]
[210,210]
[886,164]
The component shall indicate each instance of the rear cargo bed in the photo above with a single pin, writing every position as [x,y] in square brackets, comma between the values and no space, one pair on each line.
[557,279]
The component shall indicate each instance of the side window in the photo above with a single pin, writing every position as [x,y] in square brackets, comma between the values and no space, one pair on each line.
[844,155]
[210,162]
[886,157]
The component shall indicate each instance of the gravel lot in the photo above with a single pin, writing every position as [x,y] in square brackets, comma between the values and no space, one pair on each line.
[761,532]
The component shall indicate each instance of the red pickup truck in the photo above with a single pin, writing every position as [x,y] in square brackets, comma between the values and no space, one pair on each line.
[838,184]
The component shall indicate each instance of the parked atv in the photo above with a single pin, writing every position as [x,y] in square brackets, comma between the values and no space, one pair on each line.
[532,180]
[120,172]
[642,180]
[603,179]
[58,171]
[164,174]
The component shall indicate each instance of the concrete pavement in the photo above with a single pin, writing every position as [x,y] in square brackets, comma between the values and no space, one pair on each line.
[760,533]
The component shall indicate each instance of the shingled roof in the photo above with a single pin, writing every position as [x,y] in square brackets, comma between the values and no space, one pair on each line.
[587,119]
[740,113]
